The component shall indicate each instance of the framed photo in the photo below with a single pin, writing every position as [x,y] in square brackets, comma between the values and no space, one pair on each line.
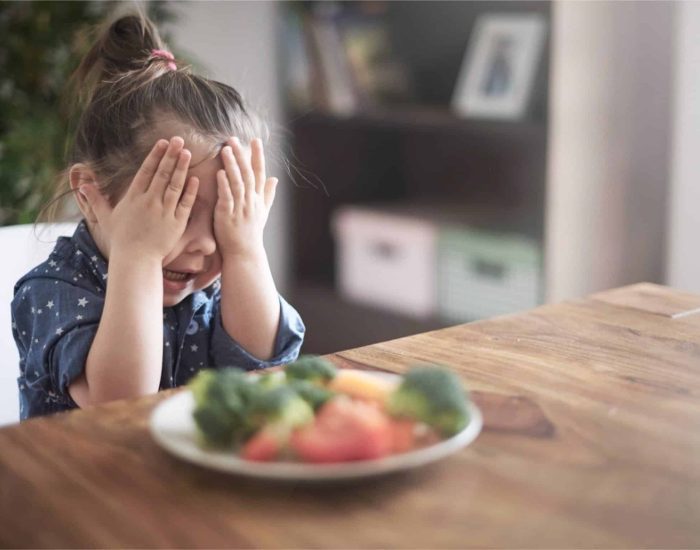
[497,73]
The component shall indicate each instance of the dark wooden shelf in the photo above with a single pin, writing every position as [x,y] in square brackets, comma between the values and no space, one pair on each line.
[418,118]
[334,324]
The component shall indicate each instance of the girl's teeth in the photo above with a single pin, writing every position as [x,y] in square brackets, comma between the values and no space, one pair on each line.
[174,275]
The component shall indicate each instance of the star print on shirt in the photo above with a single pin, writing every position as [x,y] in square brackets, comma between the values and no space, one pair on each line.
[59,331]
[82,302]
[194,347]
[52,263]
[78,317]
[49,304]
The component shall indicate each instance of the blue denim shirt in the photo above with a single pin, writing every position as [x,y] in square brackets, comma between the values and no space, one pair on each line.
[57,308]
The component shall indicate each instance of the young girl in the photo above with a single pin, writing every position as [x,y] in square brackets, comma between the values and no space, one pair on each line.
[166,274]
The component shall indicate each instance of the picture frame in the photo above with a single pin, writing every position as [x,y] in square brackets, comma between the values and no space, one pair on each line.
[498,70]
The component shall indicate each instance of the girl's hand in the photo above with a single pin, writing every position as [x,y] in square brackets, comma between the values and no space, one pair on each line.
[245,198]
[152,215]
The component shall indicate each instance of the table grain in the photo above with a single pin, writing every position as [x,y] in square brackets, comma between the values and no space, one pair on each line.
[591,439]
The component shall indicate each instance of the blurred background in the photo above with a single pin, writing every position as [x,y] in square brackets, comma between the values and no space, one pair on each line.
[440,162]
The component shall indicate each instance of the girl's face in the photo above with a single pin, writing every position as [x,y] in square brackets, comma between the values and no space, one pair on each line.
[195,262]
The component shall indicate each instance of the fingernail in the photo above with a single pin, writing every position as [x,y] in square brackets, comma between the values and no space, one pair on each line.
[227,150]
[236,141]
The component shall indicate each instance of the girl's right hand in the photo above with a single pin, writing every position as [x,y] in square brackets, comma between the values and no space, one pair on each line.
[152,215]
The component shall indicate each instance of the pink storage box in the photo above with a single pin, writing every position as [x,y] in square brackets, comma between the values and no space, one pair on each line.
[386,260]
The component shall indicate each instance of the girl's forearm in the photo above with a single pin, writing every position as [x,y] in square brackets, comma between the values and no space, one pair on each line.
[126,356]
[249,303]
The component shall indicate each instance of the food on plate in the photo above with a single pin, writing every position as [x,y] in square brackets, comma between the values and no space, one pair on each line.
[363,385]
[312,368]
[273,414]
[433,396]
[314,394]
[221,405]
[344,429]
[312,412]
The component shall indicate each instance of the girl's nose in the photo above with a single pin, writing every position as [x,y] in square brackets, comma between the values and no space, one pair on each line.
[202,242]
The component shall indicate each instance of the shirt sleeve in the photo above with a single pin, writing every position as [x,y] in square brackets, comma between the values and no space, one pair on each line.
[225,351]
[54,323]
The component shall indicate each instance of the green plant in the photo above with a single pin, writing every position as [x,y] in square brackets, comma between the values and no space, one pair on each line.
[41,44]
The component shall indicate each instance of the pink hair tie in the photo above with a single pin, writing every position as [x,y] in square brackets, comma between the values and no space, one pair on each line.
[164,54]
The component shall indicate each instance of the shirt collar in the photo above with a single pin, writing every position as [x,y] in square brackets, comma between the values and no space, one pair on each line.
[86,245]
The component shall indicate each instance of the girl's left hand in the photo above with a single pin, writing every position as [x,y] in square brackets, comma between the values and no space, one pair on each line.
[245,196]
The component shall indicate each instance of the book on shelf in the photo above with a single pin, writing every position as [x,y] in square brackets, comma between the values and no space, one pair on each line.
[341,61]
[296,63]
[336,83]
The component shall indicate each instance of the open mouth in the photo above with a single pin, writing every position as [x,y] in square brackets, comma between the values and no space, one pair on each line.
[177,276]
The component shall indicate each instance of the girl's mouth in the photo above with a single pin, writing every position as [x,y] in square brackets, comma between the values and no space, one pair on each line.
[176,280]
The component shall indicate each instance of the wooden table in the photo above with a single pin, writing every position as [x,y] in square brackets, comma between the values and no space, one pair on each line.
[591,439]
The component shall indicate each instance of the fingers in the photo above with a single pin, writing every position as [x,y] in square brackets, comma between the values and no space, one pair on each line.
[184,207]
[258,164]
[269,191]
[148,167]
[233,174]
[243,164]
[166,167]
[226,201]
[177,181]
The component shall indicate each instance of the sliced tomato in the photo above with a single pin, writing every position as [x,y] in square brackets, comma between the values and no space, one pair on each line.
[344,430]
[264,446]
[403,434]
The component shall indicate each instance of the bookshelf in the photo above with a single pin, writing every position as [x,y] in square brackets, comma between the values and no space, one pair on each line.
[410,150]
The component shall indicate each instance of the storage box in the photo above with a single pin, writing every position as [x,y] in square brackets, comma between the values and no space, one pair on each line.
[386,260]
[483,274]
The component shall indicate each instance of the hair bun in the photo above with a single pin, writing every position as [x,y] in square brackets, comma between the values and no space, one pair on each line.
[128,43]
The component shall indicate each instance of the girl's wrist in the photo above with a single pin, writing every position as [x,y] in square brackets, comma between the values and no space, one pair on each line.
[250,255]
[135,261]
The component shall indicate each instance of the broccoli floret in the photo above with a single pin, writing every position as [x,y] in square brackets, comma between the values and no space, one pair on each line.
[313,394]
[280,406]
[221,401]
[433,395]
[200,384]
[312,368]
[269,380]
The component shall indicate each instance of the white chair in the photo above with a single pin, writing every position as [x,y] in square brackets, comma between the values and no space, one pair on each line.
[23,247]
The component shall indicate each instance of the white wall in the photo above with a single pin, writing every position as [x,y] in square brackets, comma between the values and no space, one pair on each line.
[235,42]
[684,218]
[609,145]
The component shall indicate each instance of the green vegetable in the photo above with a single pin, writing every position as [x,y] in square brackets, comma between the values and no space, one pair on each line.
[313,394]
[222,398]
[433,395]
[312,368]
[269,380]
[280,406]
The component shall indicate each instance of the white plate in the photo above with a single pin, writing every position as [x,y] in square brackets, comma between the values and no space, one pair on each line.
[173,428]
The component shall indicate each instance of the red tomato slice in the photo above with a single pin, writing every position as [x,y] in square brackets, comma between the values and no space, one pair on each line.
[403,435]
[344,430]
[262,447]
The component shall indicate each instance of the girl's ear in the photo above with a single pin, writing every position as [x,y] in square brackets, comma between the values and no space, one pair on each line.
[83,182]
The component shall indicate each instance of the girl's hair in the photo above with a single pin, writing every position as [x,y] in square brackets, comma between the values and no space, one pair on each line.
[125,89]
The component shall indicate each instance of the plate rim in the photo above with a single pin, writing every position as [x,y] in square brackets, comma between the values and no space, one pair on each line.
[300,471]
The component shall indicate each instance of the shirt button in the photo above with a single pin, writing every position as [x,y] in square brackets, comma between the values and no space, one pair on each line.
[193,328]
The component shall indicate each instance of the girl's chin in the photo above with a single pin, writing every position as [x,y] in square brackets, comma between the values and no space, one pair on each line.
[175,291]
